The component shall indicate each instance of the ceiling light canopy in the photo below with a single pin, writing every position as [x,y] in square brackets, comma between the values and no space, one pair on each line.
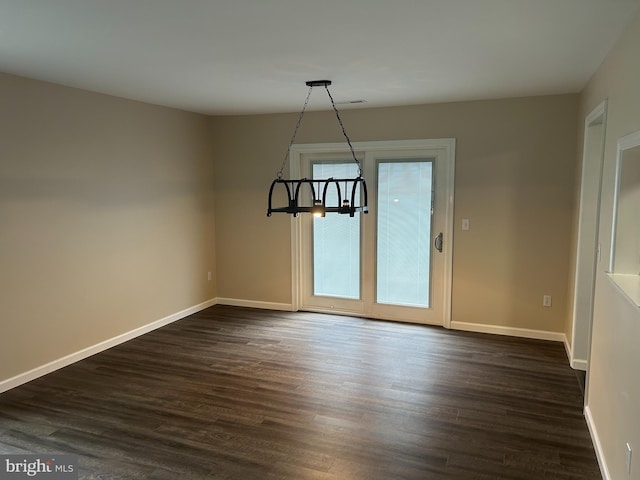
[320,196]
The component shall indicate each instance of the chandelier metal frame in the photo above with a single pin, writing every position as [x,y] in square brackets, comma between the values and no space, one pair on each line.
[309,195]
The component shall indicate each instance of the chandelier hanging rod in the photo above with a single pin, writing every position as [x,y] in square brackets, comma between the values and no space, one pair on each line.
[325,84]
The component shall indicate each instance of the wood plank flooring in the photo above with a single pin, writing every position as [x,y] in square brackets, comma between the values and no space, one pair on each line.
[236,393]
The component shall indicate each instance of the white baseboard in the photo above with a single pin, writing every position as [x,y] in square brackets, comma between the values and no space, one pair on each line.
[236,302]
[568,349]
[596,444]
[100,347]
[576,363]
[509,331]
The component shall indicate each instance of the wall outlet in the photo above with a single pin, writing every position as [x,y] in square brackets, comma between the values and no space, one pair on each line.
[628,459]
[209,276]
[546,301]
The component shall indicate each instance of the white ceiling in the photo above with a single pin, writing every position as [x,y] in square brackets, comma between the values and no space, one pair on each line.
[253,56]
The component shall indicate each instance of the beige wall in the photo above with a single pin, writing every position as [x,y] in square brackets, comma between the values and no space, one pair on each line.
[107,210]
[515,169]
[613,401]
[105,218]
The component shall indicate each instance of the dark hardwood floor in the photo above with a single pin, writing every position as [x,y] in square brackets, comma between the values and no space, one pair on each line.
[235,393]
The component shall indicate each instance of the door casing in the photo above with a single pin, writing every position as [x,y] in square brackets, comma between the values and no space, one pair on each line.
[587,249]
[447,144]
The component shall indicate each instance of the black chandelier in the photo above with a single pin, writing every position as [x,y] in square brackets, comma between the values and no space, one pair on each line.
[308,195]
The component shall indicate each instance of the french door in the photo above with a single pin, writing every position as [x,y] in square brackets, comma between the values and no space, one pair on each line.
[394,262]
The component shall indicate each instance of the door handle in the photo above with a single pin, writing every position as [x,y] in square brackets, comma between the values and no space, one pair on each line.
[438,242]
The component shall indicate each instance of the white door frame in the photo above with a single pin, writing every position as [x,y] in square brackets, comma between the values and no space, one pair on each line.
[587,248]
[447,144]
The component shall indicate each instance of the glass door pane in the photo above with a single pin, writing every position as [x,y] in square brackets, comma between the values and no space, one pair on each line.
[383,264]
[404,232]
[336,241]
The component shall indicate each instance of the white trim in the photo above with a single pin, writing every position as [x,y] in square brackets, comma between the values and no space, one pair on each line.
[597,116]
[567,349]
[579,364]
[237,302]
[628,285]
[447,144]
[448,265]
[630,140]
[599,111]
[377,145]
[509,331]
[296,264]
[596,444]
[99,347]
[296,232]
[464,326]
[576,363]
[625,143]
